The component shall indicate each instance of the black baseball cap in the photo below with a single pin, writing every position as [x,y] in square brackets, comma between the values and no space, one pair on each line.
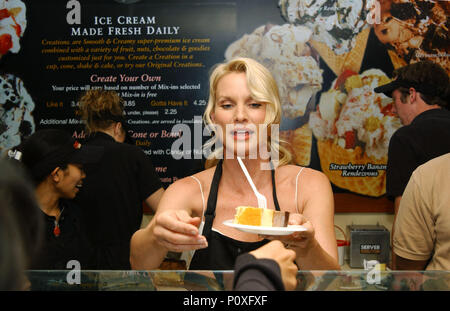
[47,149]
[83,154]
[424,88]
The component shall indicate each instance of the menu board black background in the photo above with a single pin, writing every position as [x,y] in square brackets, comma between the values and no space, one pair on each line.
[221,21]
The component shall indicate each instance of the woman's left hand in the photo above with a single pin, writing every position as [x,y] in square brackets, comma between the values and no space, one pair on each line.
[300,241]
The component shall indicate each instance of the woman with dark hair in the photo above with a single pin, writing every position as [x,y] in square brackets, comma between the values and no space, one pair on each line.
[116,188]
[55,162]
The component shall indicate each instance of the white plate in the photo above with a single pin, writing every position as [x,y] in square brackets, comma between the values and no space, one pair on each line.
[265,230]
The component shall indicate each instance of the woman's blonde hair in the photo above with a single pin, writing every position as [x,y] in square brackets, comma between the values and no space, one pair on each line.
[100,109]
[263,88]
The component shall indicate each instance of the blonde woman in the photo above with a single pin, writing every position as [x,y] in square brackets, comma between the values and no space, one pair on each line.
[116,188]
[243,103]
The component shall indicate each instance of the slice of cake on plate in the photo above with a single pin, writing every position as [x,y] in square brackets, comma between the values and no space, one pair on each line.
[264,217]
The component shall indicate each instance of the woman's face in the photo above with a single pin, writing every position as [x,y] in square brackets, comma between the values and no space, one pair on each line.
[238,115]
[71,180]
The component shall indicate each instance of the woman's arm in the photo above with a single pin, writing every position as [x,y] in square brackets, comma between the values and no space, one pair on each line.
[153,200]
[311,255]
[145,252]
[316,247]
[319,249]
[173,228]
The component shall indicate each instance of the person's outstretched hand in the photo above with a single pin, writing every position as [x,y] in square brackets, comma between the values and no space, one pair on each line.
[285,258]
[178,231]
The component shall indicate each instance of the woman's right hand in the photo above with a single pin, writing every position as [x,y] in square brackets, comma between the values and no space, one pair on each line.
[177,231]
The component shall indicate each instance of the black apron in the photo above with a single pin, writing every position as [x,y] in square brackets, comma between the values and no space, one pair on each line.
[222,251]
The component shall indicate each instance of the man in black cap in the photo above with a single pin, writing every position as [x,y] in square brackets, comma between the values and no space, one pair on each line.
[420,92]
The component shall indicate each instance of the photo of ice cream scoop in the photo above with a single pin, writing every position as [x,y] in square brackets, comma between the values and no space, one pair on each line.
[16,107]
[340,30]
[415,30]
[285,51]
[12,25]
[353,126]
[16,104]
[333,22]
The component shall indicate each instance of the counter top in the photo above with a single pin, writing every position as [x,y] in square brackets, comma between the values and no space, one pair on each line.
[181,280]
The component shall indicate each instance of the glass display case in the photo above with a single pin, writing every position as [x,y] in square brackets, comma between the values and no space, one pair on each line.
[181,280]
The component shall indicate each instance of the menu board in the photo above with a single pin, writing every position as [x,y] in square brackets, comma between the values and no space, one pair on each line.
[156,55]
[326,56]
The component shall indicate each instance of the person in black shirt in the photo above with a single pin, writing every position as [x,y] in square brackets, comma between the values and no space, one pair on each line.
[116,188]
[270,267]
[21,226]
[55,162]
[420,92]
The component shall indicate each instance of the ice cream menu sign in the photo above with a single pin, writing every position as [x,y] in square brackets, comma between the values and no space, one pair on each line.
[155,55]
[326,56]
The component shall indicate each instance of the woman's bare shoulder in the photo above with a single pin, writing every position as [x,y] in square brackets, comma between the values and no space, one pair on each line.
[294,170]
[189,187]
[311,176]
[205,176]
[183,194]
[189,184]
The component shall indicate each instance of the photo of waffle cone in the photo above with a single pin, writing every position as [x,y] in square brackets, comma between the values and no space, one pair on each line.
[353,126]
[298,142]
[351,60]
[334,23]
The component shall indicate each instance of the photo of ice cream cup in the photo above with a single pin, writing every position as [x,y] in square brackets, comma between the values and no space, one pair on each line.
[353,126]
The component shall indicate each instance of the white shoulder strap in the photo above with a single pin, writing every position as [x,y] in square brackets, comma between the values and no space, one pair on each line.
[296,189]
[201,191]
[188,255]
